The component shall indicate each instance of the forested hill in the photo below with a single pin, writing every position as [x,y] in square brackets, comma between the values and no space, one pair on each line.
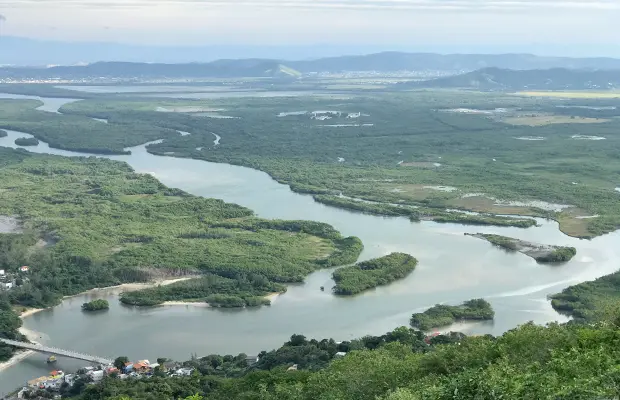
[537,79]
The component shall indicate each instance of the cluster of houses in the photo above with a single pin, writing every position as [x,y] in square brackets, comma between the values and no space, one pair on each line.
[9,280]
[142,369]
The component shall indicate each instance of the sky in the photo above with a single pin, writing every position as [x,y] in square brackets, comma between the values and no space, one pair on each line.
[297,22]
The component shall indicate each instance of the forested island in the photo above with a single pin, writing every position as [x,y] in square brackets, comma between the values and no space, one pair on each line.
[26,142]
[541,253]
[3,133]
[217,291]
[372,273]
[96,305]
[442,315]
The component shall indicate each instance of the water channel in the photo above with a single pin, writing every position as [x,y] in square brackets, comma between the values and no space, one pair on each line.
[452,268]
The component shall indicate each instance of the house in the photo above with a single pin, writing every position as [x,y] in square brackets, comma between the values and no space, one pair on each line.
[2,272]
[7,285]
[96,376]
[340,354]
[128,368]
[184,371]
[69,379]
[57,374]
[24,269]
[292,368]
[154,366]
[142,367]
[111,370]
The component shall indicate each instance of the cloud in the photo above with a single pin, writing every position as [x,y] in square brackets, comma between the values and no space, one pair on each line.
[464,5]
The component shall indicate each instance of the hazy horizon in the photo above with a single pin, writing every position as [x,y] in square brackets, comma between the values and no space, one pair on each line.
[380,23]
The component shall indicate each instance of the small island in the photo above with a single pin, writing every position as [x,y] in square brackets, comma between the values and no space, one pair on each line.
[3,133]
[96,305]
[539,252]
[372,273]
[26,142]
[445,315]
[209,289]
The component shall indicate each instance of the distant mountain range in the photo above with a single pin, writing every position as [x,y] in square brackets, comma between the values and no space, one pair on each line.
[527,72]
[417,54]
[506,79]
[489,70]
[396,61]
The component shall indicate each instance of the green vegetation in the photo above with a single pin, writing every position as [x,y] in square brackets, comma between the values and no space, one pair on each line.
[530,362]
[404,150]
[444,315]
[3,133]
[94,222]
[541,253]
[67,131]
[505,242]
[26,142]
[590,301]
[9,327]
[438,149]
[240,291]
[425,213]
[368,207]
[372,273]
[479,219]
[558,255]
[96,305]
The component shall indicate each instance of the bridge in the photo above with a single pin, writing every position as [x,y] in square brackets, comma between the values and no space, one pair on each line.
[57,352]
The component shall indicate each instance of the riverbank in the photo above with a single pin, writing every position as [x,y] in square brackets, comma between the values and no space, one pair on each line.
[22,355]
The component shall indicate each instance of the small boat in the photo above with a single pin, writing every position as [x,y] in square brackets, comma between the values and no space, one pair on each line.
[51,359]
[322,288]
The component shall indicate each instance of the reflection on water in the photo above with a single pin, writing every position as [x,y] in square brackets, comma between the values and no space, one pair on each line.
[452,268]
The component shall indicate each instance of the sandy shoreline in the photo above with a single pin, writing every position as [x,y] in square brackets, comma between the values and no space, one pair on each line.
[270,297]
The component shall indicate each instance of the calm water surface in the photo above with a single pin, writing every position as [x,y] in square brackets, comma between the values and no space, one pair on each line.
[452,268]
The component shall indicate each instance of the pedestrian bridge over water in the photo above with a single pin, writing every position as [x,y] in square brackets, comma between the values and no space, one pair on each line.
[57,352]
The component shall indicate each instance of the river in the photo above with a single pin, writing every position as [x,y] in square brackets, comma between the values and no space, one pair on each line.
[452,268]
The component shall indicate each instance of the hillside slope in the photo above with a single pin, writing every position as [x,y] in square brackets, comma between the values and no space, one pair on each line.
[508,79]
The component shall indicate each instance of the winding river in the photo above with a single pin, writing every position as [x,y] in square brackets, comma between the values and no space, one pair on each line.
[452,268]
